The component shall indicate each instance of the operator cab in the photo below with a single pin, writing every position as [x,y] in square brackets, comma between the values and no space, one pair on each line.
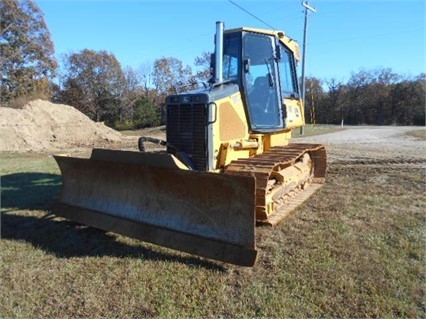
[265,69]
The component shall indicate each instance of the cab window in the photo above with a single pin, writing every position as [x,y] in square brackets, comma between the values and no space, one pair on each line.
[287,74]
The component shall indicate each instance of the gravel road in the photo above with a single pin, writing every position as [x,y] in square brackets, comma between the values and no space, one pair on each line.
[371,142]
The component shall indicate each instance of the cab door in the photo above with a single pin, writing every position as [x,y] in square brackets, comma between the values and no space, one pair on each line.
[261,83]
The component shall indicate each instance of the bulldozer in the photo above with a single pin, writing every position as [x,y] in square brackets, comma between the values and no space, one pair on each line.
[227,165]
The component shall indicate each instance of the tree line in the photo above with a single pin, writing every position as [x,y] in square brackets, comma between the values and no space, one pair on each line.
[375,97]
[95,83]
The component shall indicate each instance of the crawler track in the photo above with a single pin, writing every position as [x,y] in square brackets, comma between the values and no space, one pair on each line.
[274,160]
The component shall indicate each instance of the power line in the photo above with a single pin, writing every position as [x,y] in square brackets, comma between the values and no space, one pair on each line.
[254,16]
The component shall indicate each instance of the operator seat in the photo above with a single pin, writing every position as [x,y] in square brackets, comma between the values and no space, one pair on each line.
[260,99]
[259,94]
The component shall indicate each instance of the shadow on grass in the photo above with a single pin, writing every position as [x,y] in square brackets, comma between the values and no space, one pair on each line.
[29,191]
[65,239]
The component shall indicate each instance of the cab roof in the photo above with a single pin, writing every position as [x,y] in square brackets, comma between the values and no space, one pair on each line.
[288,42]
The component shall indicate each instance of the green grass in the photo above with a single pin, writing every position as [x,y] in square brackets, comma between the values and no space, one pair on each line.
[355,249]
[145,131]
[316,129]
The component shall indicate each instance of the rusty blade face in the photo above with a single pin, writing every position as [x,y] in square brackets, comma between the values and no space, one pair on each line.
[206,214]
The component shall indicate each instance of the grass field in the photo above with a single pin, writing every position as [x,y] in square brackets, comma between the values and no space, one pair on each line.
[421,134]
[355,249]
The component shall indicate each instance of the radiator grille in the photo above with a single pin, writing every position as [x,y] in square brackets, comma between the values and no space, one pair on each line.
[186,131]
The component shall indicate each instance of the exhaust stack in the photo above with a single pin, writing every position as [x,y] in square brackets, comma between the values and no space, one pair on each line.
[219,52]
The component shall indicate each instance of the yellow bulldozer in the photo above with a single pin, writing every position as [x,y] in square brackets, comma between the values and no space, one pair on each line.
[228,164]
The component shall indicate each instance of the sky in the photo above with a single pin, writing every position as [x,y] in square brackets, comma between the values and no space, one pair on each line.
[343,36]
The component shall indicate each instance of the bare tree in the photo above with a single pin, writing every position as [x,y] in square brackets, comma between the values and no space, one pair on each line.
[129,93]
[145,73]
[170,76]
[337,109]
[314,97]
[203,62]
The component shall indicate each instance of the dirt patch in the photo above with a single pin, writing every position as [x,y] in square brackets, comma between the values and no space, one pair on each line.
[42,126]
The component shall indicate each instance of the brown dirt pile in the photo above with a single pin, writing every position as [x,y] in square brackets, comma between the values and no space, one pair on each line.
[42,126]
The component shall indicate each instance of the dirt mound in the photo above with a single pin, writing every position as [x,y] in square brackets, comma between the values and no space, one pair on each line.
[42,126]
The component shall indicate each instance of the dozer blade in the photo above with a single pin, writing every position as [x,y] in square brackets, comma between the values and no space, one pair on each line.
[145,196]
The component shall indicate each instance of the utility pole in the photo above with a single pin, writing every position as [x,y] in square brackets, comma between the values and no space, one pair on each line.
[305,29]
